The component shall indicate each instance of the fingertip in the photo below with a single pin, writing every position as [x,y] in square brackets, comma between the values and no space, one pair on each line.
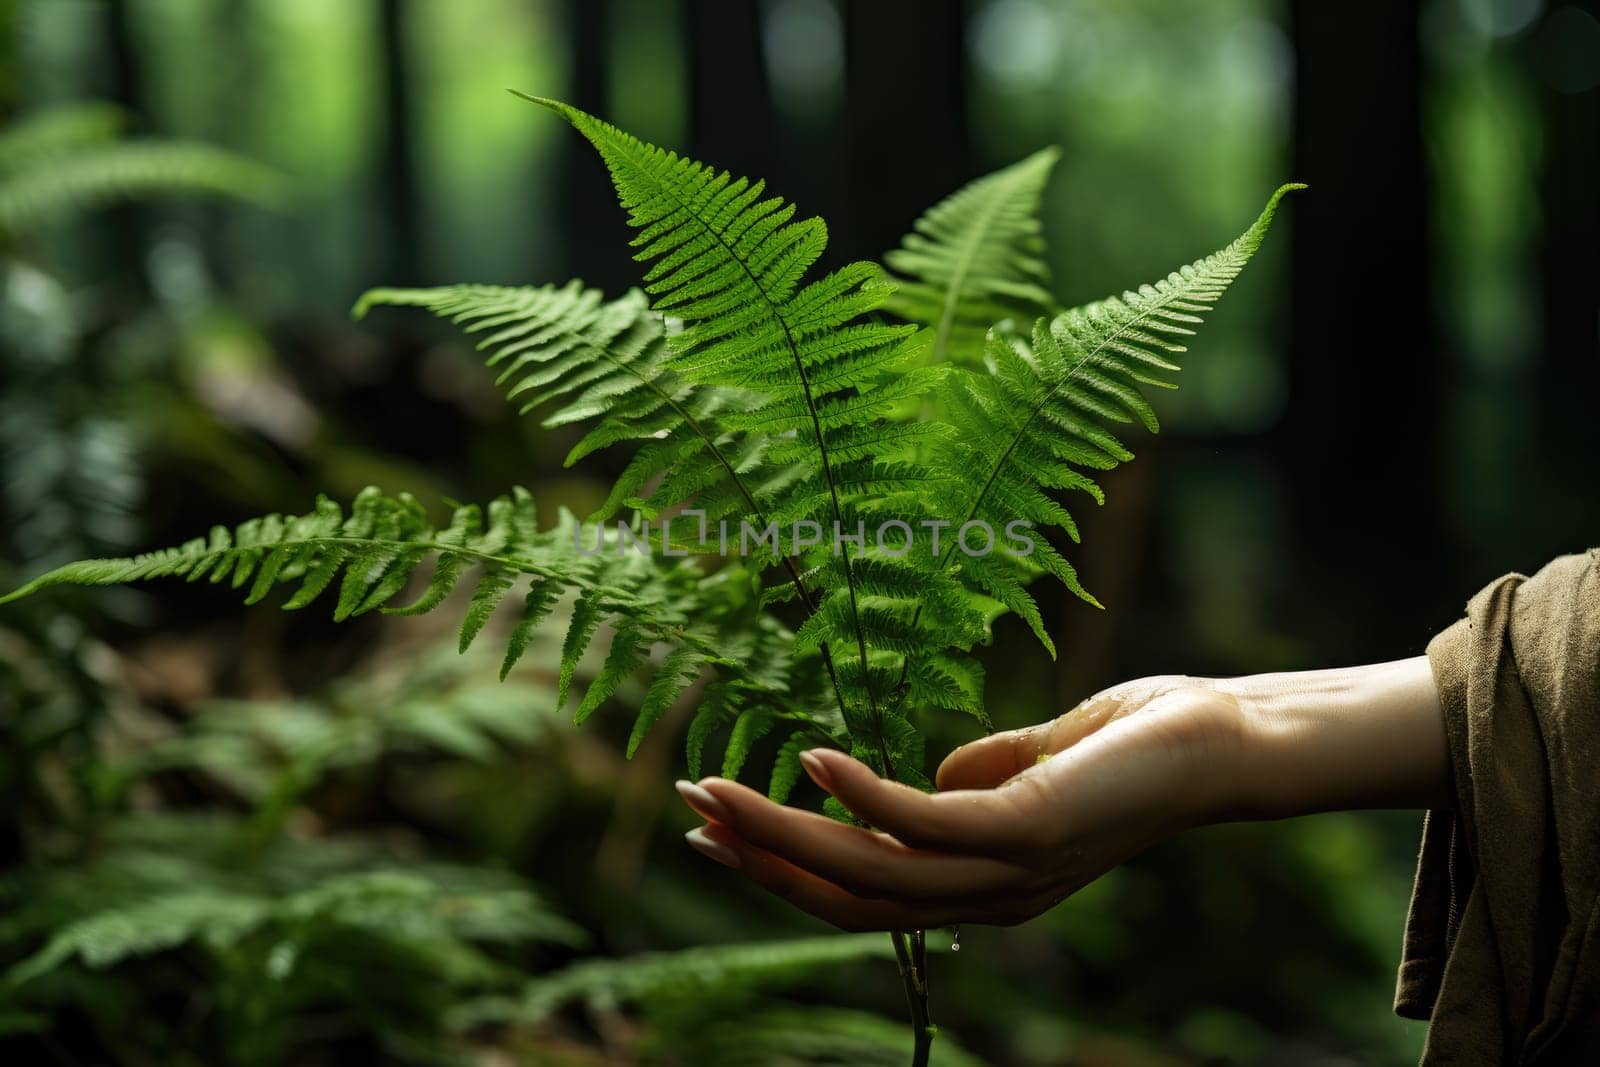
[817,770]
[719,787]
[704,841]
[844,767]
[832,758]
[702,801]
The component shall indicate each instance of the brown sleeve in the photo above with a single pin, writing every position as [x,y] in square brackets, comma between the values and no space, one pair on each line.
[1500,945]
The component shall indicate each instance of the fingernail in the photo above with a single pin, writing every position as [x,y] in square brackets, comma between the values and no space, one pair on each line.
[817,769]
[716,850]
[702,801]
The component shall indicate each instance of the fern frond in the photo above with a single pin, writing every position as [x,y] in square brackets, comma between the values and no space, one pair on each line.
[813,1035]
[373,553]
[729,263]
[1043,413]
[219,919]
[695,971]
[39,139]
[394,904]
[976,258]
[588,360]
[57,185]
[786,767]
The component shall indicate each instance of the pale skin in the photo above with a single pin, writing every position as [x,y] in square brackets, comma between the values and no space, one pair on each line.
[1024,819]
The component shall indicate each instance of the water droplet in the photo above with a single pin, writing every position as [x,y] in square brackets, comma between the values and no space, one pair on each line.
[955,939]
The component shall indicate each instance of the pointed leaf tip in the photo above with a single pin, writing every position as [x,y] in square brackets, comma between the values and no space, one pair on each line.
[565,110]
[1251,239]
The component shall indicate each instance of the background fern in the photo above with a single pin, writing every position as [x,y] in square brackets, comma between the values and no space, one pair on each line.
[66,163]
[68,443]
[688,974]
[976,259]
[676,992]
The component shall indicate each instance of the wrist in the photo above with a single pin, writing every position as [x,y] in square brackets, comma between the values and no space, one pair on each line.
[1360,737]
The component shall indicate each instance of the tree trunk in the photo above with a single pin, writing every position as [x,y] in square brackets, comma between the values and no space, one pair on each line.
[1366,381]
[730,103]
[397,181]
[906,137]
[1569,371]
[127,225]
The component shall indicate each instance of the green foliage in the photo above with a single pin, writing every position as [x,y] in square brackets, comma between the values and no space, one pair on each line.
[69,428]
[685,999]
[568,346]
[68,162]
[274,750]
[790,1037]
[373,553]
[1037,417]
[391,903]
[758,397]
[338,925]
[976,259]
[682,975]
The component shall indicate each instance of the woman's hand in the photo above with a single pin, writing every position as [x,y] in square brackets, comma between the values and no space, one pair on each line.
[1024,819]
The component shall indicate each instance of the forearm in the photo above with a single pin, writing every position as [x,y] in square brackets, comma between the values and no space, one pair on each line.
[1358,737]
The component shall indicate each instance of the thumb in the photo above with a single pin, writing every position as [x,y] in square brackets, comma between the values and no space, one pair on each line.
[989,761]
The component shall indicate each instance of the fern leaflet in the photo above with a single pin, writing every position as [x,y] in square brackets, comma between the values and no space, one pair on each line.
[373,553]
[67,162]
[1037,419]
[976,259]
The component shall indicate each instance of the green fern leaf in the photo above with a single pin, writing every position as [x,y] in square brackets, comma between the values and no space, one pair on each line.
[623,658]
[580,631]
[975,259]
[729,263]
[1040,414]
[699,971]
[786,767]
[106,939]
[62,165]
[751,726]
[675,675]
[716,708]
[372,551]
[541,597]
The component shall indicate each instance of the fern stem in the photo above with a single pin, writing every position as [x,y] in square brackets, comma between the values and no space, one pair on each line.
[833,496]
[761,519]
[849,572]
[913,973]
[958,279]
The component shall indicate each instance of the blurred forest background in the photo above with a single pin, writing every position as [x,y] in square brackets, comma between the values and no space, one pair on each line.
[250,837]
